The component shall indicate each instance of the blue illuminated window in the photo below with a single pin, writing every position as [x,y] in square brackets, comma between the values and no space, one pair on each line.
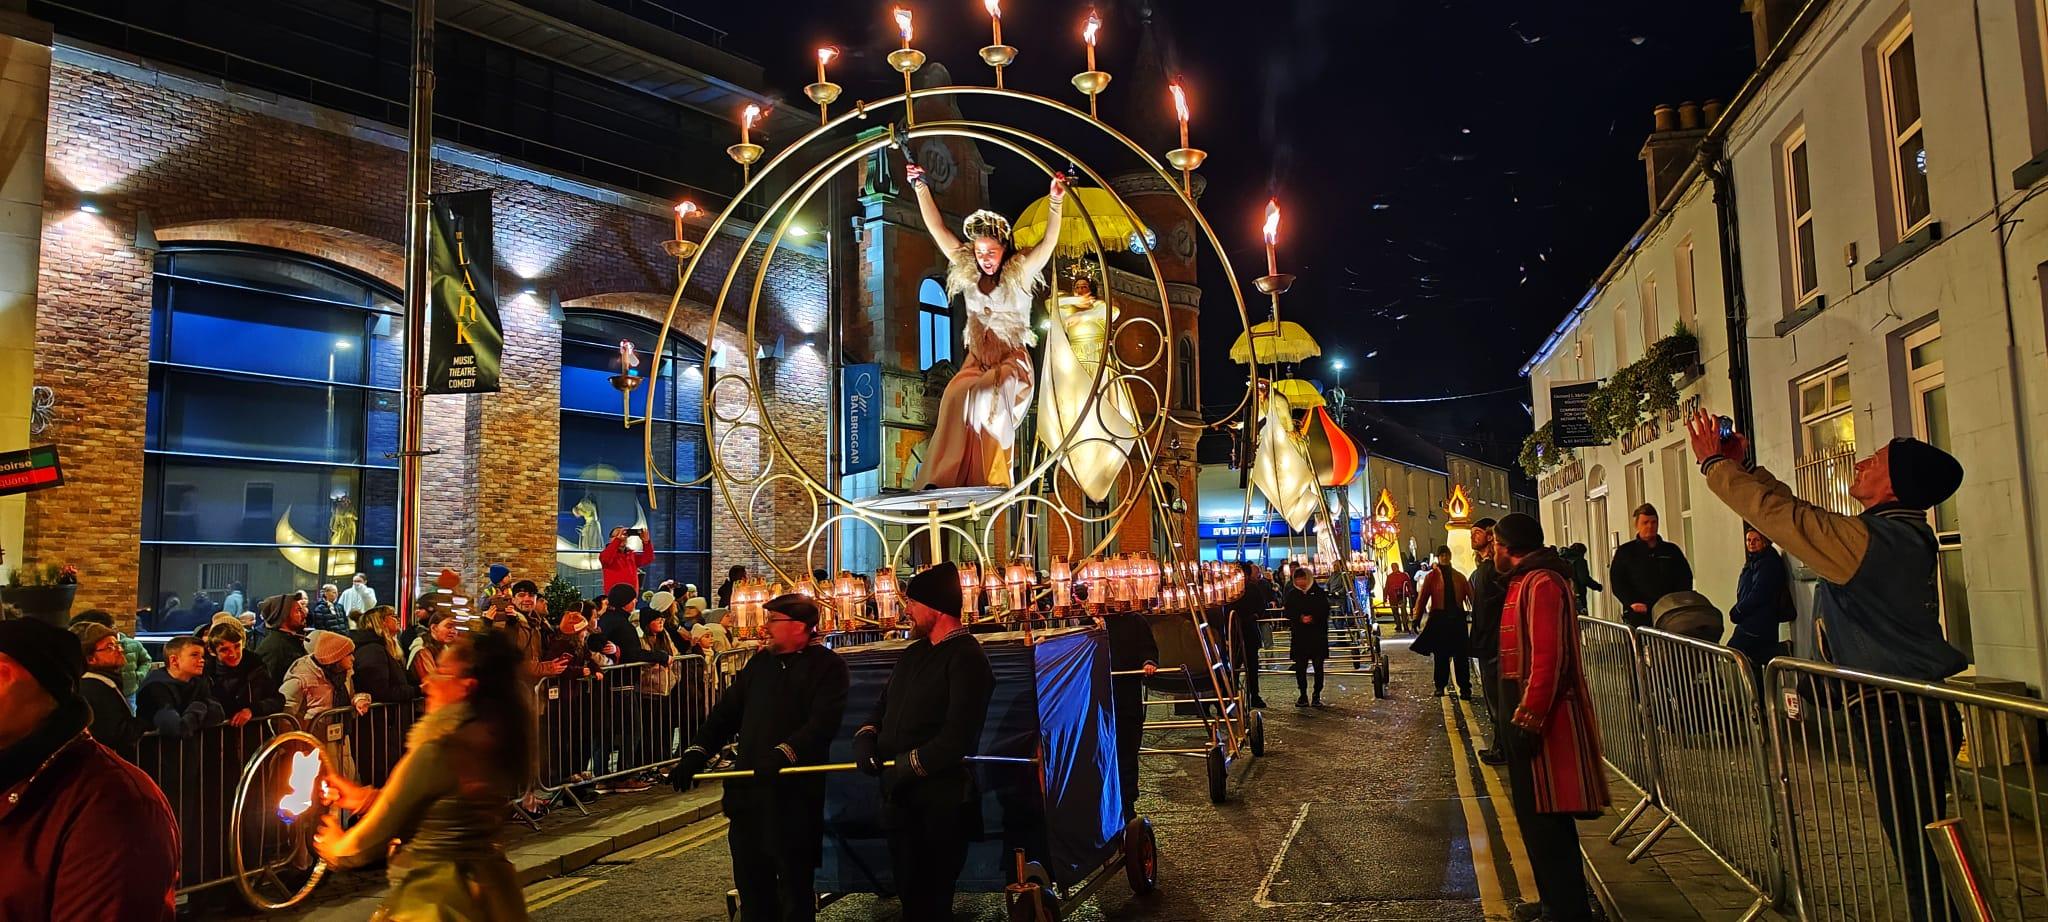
[934,325]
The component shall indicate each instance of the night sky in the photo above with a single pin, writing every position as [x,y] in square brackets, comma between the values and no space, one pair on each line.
[1453,173]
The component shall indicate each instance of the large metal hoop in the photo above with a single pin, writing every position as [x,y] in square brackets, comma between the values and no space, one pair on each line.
[252,775]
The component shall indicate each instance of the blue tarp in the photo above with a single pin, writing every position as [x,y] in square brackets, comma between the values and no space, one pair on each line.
[1051,702]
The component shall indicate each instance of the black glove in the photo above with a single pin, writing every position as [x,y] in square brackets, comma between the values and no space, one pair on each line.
[895,776]
[684,776]
[776,763]
[864,757]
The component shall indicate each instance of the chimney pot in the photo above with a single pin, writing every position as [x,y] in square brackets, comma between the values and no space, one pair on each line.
[1688,116]
[1711,109]
[1664,118]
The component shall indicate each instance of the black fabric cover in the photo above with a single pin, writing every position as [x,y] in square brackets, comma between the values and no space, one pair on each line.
[1065,812]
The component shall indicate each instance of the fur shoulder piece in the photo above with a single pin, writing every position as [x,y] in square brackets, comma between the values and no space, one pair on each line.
[1005,311]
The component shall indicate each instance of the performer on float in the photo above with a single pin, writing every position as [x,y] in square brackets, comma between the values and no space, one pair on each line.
[990,393]
[1074,346]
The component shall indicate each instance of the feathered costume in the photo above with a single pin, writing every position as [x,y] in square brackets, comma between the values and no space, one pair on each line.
[986,401]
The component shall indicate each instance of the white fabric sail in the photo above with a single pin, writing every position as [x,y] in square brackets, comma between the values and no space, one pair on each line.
[1102,433]
[1280,467]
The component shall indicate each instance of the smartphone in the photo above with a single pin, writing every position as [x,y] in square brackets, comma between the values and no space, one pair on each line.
[1725,426]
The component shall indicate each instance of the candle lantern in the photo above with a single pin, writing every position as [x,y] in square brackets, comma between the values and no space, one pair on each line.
[970,591]
[847,591]
[1017,579]
[1062,578]
[885,596]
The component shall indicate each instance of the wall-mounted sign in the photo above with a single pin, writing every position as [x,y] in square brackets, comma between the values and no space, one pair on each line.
[1568,422]
[467,343]
[860,397]
[29,470]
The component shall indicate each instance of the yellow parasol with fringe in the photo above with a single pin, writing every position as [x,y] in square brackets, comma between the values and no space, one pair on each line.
[1284,341]
[1119,227]
[1300,395]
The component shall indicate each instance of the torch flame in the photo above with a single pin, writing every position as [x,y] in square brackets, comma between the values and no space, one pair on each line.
[685,208]
[753,112]
[1094,26]
[298,795]
[1180,100]
[903,22]
[1272,220]
[994,7]
[826,54]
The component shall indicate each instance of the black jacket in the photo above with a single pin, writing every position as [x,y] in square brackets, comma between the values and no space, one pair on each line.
[929,719]
[617,627]
[1248,609]
[1489,595]
[247,685]
[785,709]
[325,616]
[1763,600]
[1131,644]
[278,650]
[1643,574]
[379,674]
[112,722]
[177,708]
[1308,639]
[1582,576]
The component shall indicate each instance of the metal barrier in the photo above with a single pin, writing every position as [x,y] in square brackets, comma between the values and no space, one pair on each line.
[198,775]
[619,721]
[1609,655]
[1881,818]
[1711,756]
[366,746]
[728,663]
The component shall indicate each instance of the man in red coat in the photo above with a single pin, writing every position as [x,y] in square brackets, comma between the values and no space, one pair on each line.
[1552,743]
[86,837]
[624,555]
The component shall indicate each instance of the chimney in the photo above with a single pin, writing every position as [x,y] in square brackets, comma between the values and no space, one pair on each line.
[1670,147]
[1769,19]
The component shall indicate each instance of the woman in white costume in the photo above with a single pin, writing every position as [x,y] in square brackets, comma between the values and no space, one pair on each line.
[985,402]
[1104,432]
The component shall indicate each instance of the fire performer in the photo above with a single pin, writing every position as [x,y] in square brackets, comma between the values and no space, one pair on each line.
[928,720]
[784,708]
[990,393]
[465,760]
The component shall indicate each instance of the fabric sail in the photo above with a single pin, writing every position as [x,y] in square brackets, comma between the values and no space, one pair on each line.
[1332,453]
[1281,468]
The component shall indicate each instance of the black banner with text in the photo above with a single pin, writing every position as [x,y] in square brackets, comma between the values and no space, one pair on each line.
[467,343]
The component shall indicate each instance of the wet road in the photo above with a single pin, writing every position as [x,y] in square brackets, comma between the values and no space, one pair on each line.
[1365,809]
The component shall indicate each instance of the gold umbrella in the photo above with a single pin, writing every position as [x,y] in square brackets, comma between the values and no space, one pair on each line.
[1300,394]
[1119,227]
[1284,342]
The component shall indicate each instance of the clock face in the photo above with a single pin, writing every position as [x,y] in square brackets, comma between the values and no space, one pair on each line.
[1183,242]
[938,163]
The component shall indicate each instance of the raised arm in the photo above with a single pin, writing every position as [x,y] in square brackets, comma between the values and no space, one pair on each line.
[1036,258]
[1831,543]
[928,208]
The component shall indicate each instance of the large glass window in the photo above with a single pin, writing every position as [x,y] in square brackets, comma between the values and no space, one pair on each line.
[273,407]
[1927,381]
[1799,215]
[1905,143]
[934,325]
[604,460]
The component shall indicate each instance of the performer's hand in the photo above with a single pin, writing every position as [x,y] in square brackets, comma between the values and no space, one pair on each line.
[684,776]
[329,834]
[914,174]
[343,793]
[1058,189]
[864,757]
[1151,668]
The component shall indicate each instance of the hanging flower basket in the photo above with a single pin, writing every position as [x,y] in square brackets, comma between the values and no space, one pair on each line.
[43,603]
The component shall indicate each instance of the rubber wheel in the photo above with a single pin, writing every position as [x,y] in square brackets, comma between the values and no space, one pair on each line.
[1217,776]
[1141,856]
[1257,737]
[1379,680]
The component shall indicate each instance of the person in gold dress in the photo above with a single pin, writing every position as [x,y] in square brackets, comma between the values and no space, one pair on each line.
[1103,432]
[976,430]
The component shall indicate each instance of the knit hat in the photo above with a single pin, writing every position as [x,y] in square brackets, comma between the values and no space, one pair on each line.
[621,596]
[1519,532]
[448,579]
[220,618]
[697,602]
[328,647]
[90,635]
[498,572]
[803,608]
[1923,475]
[274,608]
[662,602]
[937,588]
[49,654]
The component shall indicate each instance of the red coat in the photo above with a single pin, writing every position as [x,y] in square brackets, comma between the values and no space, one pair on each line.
[86,837]
[623,566]
[1540,671]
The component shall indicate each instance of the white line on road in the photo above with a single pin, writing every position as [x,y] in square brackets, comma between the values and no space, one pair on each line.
[1260,899]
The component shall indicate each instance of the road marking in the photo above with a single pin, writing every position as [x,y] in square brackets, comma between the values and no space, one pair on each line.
[675,843]
[1504,808]
[542,895]
[1490,899]
[1261,899]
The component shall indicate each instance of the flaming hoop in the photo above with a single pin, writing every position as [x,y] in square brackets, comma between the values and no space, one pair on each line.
[290,762]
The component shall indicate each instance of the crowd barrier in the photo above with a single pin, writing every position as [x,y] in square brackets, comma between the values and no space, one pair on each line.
[619,721]
[1838,794]
[198,775]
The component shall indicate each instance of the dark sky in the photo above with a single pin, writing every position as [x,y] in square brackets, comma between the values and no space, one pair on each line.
[1454,173]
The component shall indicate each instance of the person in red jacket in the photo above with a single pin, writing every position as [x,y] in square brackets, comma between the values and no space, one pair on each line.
[624,555]
[1551,742]
[87,836]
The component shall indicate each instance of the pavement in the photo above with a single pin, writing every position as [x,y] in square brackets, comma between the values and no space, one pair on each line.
[1368,809]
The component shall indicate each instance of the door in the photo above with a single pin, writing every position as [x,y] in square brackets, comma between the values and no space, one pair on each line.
[1927,386]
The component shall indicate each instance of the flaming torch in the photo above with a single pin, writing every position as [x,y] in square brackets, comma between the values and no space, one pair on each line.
[1184,158]
[997,55]
[906,60]
[1088,33]
[299,784]
[823,92]
[679,248]
[746,152]
[1092,81]
[1272,235]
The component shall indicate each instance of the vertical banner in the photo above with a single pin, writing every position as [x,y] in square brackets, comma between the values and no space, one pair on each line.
[467,342]
[860,395]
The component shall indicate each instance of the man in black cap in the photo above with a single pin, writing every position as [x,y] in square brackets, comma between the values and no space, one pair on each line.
[86,835]
[1876,610]
[928,720]
[785,709]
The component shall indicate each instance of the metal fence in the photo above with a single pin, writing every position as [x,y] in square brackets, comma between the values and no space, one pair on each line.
[1608,655]
[1889,815]
[366,745]
[198,775]
[619,721]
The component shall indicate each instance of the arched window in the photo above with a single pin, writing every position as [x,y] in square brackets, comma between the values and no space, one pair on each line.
[603,462]
[934,324]
[273,407]
[1184,386]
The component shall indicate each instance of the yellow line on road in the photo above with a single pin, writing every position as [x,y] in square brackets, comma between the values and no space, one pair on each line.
[687,838]
[575,886]
[1503,807]
[1490,899]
